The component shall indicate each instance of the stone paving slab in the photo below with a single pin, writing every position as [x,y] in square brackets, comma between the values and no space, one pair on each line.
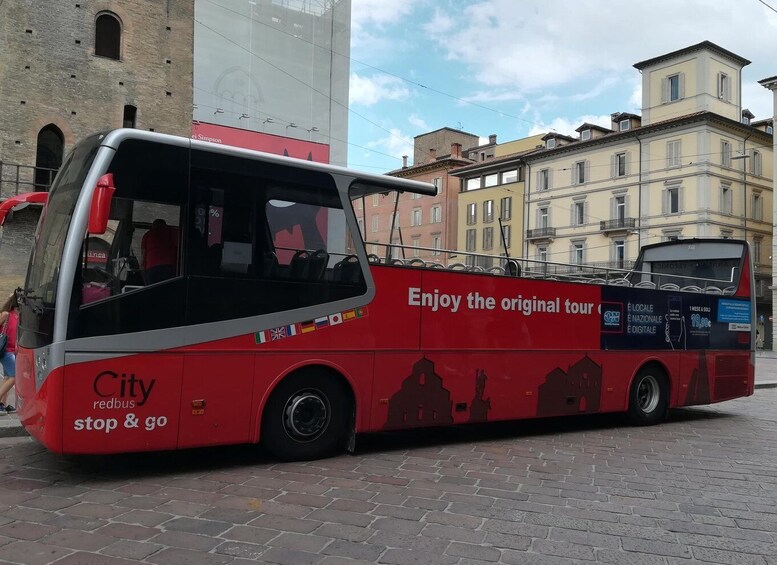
[700,488]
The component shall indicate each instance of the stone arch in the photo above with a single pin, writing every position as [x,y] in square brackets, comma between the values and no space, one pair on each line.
[49,150]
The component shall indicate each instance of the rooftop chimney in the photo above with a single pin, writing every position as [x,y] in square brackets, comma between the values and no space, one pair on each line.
[456,150]
[492,139]
[433,153]
[404,161]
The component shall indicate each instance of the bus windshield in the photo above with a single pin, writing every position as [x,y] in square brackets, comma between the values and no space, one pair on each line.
[43,272]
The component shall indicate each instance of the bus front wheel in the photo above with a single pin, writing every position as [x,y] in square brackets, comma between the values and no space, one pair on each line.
[305,417]
[648,397]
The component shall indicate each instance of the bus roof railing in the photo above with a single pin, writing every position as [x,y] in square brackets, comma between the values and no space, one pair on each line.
[399,254]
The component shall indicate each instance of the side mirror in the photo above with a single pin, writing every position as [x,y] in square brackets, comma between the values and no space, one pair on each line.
[100,210]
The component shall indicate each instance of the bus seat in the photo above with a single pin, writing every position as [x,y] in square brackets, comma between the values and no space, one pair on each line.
[645,284]
[713,290]
[513,268]
[496,270]
[317,264]
[348,270]
[669,286]
[458,267]
[373,258]
[619,282]
[416,262]
[691,288]
[298,268]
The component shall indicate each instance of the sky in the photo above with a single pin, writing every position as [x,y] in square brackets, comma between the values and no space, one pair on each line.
[515,68]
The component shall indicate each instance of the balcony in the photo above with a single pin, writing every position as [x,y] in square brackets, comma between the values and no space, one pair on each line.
[616,227]
[541,234]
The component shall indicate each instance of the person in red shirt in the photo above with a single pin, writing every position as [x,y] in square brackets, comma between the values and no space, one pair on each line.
[9,319]
[159,252]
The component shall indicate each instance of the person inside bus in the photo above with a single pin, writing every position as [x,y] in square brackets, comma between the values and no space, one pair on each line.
[9,319]
[159,250]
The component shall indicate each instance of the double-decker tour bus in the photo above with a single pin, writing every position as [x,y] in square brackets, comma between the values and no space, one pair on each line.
[185,294]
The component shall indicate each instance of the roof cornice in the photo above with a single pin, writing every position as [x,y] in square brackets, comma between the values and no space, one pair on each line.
[704,45]
[674,123]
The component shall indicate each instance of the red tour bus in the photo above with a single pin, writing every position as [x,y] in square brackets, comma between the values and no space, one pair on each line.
[272,324]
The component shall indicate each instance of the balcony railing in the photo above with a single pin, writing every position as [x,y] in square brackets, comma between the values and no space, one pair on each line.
[620,224]
[541,233]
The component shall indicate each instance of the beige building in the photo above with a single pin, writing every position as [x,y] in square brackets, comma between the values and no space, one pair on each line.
[693,165]
[491,210]
[771,84]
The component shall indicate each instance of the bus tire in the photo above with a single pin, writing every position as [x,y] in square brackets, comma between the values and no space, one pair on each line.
[648,397]
[306,417]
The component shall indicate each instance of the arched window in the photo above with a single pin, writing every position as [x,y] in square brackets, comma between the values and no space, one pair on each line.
[130,115]
[51,144]
[107,36]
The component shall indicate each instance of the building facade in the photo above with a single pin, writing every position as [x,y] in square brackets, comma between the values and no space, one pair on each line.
[68,70]
[425,225]
[692,165]
[491,204]
[771,84]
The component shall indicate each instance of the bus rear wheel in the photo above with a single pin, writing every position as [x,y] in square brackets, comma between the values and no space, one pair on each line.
[648,397]
[305,417]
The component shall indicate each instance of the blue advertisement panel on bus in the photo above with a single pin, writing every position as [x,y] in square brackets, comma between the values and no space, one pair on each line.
[644,319]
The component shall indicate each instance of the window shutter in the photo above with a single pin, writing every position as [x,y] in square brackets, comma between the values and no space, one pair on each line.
[614,166]
[627,159]
[613,208]
[627,206]
[585,212]
[664,91]
[668,153]
[574,174]
[681,84]
[751,153]
[572,214]
[587,171]
[539,181]
[550,178]
[665,202]
[680,199]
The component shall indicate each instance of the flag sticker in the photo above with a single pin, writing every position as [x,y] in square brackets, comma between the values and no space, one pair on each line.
[335,319]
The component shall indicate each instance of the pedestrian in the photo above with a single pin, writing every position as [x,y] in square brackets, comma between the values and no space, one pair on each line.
[9,320]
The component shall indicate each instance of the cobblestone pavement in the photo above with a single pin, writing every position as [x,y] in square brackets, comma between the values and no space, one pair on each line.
[699,488]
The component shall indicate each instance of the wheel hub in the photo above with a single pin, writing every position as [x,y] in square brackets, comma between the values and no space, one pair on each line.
[306,415]
[648,394]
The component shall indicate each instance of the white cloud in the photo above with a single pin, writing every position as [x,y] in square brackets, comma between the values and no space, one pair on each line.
[368,91]
[378,12]
[395,143]
[534,45]
[368,18]
[418,122]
